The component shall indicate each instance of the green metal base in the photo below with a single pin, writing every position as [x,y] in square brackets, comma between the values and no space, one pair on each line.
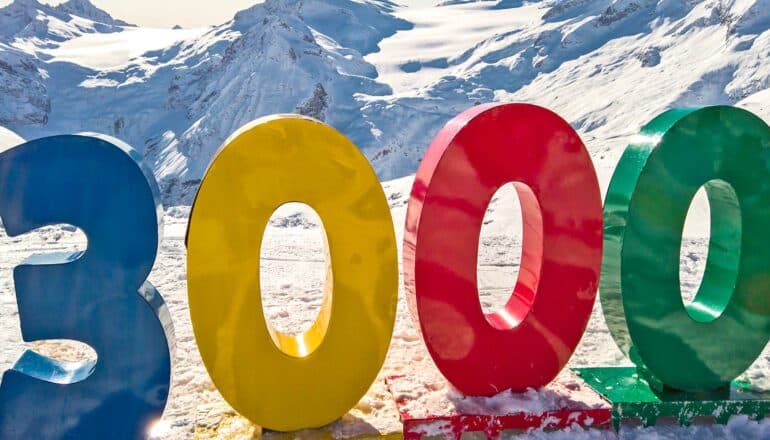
[632,398]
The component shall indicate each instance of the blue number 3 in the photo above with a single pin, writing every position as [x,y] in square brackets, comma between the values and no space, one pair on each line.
[99,297]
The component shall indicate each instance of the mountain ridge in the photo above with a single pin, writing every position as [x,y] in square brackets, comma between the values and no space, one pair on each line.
[606,65]
[30,19]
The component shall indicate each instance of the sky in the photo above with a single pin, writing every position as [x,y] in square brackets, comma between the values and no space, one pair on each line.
[167,13]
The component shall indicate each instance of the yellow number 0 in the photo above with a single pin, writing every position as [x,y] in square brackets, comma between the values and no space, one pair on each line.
[280,381]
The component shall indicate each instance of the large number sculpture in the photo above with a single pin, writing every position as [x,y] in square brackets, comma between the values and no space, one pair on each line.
[277,380]
[530,340]
[99,297]
[715,338]
[287,382]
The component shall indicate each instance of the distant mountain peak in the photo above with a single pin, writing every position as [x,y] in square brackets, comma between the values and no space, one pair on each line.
[334,18]
[18,7]
[32,20]
[24,3]
[15,17]
[86,9]
[84,4]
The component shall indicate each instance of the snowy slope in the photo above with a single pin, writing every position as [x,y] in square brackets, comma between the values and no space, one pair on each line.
[606,66]
[387,75]
[47,25]
[28,31]
[179,102]
[9,139]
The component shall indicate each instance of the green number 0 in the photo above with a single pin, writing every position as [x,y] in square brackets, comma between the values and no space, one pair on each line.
[707,343]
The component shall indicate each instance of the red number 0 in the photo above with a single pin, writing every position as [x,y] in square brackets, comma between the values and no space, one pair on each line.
[531,339]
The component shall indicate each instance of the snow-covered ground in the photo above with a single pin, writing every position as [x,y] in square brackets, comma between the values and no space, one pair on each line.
[417,58]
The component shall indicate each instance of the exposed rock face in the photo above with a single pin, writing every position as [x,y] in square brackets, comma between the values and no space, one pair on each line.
[316,106]
[25,100]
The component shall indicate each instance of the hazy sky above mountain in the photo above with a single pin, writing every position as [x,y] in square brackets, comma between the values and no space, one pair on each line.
[167,13]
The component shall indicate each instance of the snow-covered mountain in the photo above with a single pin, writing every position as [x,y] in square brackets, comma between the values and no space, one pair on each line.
[45,25]
[179,102]
[27,29]
[388,75]
[607,66]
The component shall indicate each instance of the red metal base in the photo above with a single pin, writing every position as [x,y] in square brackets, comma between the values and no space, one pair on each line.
[431,407]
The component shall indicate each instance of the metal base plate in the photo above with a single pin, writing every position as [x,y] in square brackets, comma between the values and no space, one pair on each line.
[633,399]
[439,411]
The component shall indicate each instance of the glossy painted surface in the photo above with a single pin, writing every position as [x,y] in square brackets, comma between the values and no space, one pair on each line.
[99,297]
[632,397]
[530,340]
[279,381]
[705,344]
